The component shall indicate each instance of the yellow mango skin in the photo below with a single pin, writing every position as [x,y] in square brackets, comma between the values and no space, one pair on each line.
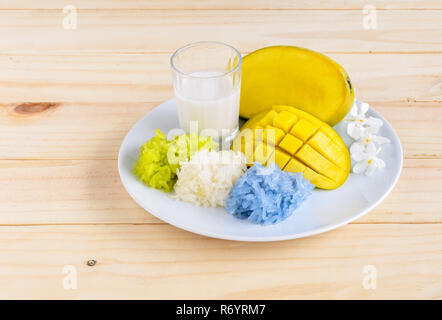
[305,79]
[308,145]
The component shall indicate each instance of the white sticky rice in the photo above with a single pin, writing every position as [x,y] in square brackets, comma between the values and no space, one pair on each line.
[206,179]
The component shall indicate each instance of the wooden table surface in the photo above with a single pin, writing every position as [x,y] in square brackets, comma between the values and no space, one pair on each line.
[68,97]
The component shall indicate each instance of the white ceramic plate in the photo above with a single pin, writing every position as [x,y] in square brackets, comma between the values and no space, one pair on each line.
[323,211]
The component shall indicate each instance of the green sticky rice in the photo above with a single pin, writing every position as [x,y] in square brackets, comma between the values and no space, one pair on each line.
[160,158]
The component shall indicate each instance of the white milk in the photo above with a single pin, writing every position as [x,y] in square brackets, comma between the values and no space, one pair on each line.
[210,101]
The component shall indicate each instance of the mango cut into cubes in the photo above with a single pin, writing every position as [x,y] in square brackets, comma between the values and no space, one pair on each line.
[297,142]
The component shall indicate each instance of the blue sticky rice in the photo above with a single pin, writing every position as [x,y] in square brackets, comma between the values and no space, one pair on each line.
[267,195]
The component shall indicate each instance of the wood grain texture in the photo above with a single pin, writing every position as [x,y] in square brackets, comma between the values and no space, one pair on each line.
[68,97]
[90,192]
[160,261]
[167,30]
[96,130]
[87,77]
[225,4]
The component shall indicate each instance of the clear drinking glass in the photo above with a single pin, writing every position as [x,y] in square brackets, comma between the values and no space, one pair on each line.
[207,84]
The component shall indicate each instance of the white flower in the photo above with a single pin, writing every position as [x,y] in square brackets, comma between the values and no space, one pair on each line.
[366,145]
[359,124]
[369,163]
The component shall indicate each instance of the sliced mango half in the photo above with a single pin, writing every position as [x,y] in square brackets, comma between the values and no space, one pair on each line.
[297,142]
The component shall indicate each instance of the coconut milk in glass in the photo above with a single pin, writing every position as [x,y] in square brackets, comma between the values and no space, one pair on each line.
[207,84]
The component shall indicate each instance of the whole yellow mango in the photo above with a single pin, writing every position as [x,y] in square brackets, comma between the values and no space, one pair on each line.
[305,79]
[297,142]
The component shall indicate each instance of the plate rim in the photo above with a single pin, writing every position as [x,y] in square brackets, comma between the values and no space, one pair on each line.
[255,238]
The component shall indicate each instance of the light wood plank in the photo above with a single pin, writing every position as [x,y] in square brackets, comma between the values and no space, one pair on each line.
[418,126]
[147,77]
[87,192]
[137,262]
[166,30]
[95,131]
[66,131]
[417,198]
[72,192]
[225,4]
[64,204]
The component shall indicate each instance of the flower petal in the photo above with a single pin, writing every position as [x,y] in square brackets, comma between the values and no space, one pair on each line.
[371,150]
[357,147]
[355,130]
[357,151]
[364,108]
[373,122]
[380,163]
[359,156]
[353,112]
[360,167]
[370,170]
